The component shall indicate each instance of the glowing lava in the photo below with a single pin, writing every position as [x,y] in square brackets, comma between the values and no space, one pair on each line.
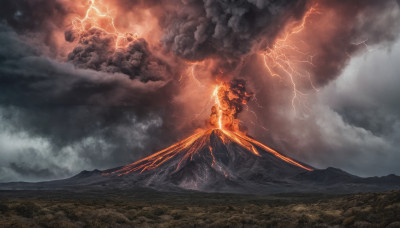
[189,147]
[99,16]
[218,106]
[229,98]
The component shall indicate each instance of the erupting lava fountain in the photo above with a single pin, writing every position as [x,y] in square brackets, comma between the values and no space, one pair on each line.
[216,158]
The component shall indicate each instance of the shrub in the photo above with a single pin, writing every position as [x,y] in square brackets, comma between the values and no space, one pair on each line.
[348,221]
[3,208]
[27,209]
[159,211]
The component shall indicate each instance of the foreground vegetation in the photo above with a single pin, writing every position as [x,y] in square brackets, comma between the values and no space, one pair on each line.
[141,208]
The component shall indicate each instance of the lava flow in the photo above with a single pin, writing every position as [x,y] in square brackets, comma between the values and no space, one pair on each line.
[229,98]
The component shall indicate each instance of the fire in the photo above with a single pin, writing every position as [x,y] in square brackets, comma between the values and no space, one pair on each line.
[228,98]
[286,57]
[99,16]
[218,105]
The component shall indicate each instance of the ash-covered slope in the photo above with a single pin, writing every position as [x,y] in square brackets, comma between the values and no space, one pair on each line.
[214,160]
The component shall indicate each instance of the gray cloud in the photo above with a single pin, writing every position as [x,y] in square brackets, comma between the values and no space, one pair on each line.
[99,117]
[352,123]
[345,28]
[33,15]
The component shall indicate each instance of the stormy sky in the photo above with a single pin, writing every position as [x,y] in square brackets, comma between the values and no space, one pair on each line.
[71,101]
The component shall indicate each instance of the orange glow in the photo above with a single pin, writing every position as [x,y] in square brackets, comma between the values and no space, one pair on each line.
[286,57]
[241,141]
[218,105]
[247,141]
[199,142]
[99,16]
[227,105]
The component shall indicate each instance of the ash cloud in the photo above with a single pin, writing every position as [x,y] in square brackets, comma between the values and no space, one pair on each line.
[225,29]
[239,95]
[96,50]
[230,31]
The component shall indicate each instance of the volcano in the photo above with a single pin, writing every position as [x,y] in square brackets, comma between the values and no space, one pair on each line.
[213,159]
[220,158]
[217,160]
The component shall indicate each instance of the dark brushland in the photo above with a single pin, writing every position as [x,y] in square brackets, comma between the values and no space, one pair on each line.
[321,198]
[149,208]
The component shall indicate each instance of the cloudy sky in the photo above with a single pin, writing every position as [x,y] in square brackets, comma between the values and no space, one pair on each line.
[76,98]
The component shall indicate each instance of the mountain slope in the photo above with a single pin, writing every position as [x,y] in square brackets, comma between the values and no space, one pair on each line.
[213,160]
[218,160]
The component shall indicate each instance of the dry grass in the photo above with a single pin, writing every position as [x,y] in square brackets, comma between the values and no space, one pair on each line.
[201,210]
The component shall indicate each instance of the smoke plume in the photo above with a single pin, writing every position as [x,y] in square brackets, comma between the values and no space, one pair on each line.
[96,50]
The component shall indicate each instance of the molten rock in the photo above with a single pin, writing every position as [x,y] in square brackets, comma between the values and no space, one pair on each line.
[229,101]
[213,160]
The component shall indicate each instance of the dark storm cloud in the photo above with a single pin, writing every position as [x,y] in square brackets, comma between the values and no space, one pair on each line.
[24,170]
[65,107]
[352,122]
[374,105]
[96,50]
[226,29]
[351,25]
[32,15]
[59,113]
[39,20]
[47,82]
[364,103]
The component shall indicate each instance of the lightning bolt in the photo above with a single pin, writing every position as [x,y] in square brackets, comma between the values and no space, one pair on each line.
[94,17]
[283,60]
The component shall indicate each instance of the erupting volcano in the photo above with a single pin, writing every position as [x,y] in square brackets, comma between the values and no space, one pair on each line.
[220,156]
[134,75]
